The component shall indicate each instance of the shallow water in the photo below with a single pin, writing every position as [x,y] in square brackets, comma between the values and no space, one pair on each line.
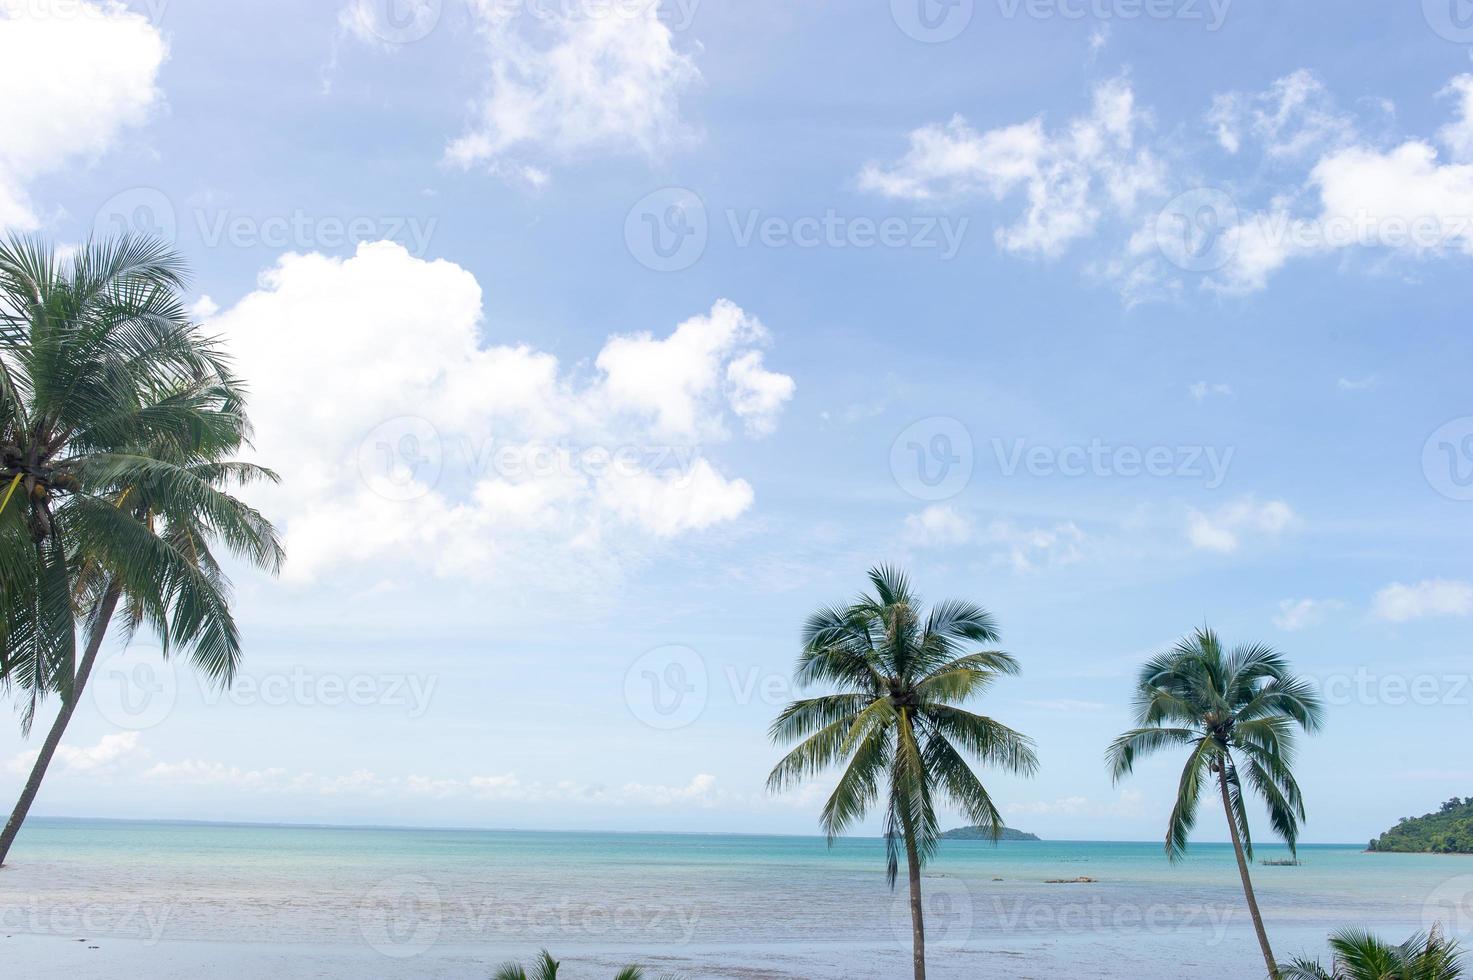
[180,900]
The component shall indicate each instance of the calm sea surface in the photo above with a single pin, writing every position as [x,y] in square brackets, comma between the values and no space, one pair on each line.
[116,899]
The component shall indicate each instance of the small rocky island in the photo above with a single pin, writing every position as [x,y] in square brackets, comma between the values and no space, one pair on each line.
[980,833]
[1448,831]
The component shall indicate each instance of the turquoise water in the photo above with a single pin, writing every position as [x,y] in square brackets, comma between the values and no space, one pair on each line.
[173,899]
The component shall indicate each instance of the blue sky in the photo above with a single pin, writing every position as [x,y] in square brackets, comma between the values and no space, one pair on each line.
[598,343]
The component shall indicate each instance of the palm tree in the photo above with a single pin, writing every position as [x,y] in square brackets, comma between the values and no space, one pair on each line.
[116,416]
[546,969]
[1235,712]
[897,723]
[1361,956]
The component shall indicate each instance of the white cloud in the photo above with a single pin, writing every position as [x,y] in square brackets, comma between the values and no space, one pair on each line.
[108,750]
[1324,187]
[1028,549]
[1457,135]
[561,86]
[1297,614]
[204,308]
[939,525]
[77,74]
[1399,603]
[1358,384]
[1069,178]
[1201,390]
[1224,529]
[406,442]
[1297,115]
[1403,198]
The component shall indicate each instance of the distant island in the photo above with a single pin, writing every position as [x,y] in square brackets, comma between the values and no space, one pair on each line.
[1448,831]
[978,833]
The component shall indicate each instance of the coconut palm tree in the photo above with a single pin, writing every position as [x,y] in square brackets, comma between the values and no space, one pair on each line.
[117,417]
[85,343]
[1235,713]
[896,721]
[546,969]
[1358,955]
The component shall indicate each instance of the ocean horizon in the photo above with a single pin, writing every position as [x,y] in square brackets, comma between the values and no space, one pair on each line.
[85,897]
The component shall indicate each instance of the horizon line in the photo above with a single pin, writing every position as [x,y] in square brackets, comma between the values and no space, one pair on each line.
[296,825]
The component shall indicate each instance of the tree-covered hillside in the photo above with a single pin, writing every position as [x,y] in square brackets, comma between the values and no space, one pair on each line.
[1448,831]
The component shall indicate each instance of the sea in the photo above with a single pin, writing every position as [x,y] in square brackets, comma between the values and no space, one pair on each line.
[90,898]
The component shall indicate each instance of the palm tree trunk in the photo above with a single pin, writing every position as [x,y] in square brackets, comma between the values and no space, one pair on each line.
[1227,806]
[917,919]
[63,717]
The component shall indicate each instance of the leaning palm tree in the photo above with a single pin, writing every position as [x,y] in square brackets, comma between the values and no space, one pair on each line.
[1234,712]
[1358,955]
[546,968]
[117,416]
[897,722]
[86,342]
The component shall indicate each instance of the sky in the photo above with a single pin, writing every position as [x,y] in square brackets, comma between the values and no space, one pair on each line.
[598,342]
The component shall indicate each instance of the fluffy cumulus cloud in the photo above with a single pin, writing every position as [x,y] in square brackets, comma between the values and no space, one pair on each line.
[1162,218]
[1069,177]
[1400,603]
[106,753]
[76,75]
[406,442]
[559,85]
[1225,528]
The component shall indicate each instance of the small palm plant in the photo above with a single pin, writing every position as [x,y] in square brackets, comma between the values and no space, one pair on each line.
[1236,713]
[1358,955]
[896,723]
[546,968]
